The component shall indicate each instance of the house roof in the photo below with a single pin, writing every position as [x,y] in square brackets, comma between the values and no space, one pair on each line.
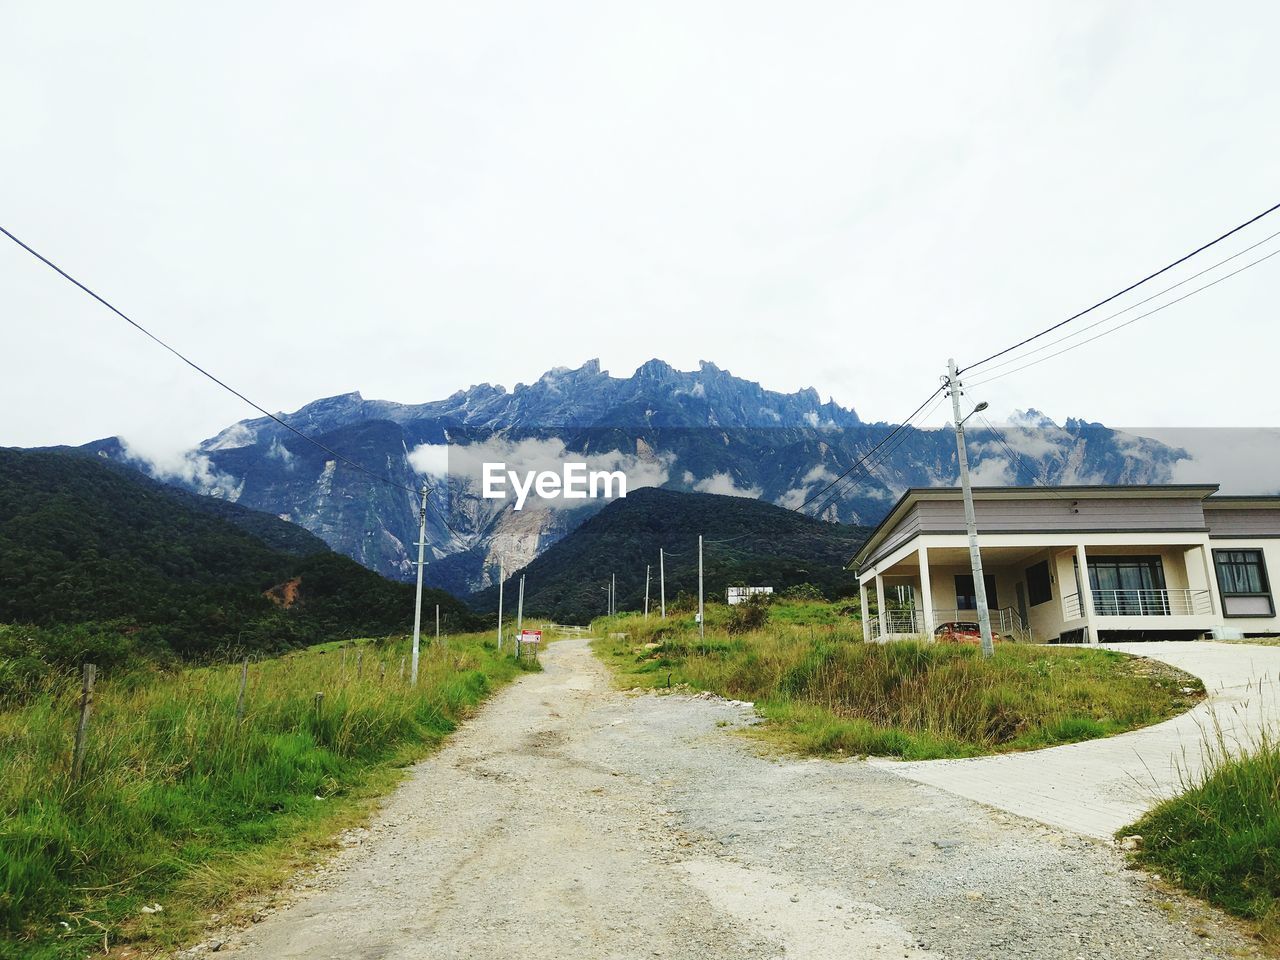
[1235,502]
[913,495]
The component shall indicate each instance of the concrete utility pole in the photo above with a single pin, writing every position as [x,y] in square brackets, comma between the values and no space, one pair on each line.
[647,567]
[417,607]
[500,584]
[970,520]
[520,613]
[702,620]
[613,595]
[662,583]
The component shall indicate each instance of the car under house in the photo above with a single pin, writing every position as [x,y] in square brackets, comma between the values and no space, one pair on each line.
[1082,564]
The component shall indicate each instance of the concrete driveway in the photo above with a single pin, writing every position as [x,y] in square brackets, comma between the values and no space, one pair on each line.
[1097,787]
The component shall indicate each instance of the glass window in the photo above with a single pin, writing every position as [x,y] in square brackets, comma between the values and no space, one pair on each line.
[1128,586]
[1242,578]
[967,598]
[1039,589]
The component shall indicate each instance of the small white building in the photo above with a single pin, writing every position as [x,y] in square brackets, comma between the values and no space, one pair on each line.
[1076,563]
[739,594]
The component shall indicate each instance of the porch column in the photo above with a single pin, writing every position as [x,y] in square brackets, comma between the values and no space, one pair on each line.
[883,613]
[1086,595]
[862,596]
[1210,578]
[926,592]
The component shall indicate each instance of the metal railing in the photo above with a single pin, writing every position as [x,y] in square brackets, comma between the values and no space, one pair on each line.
[1005,622]
[1071,607]
[1141,603]
[1151,603]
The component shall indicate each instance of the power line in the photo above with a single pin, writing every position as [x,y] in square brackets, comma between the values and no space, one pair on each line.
[1132,320]
[886,439]
[195,366]
[1037,478]
[1119,313]
[872,462]
[868,468]
[1132,286]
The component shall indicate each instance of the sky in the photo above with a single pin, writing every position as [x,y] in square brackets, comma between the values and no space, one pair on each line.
[408,198]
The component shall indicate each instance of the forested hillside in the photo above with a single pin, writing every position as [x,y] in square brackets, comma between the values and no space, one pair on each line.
[86,543]
[746,542]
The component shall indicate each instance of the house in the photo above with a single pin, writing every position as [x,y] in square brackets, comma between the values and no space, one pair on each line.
[736,595]
[1160,561]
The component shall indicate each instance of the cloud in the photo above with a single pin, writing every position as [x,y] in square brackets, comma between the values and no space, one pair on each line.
[189,467]
[992,472]
[430,460]
[724,485]
[1243,460]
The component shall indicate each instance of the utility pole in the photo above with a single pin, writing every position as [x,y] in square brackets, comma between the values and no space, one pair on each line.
[646,590]
[613,595]
[970,519]
[662,583]
[417,607]
[702,620]
[520,614]
[500,584]
[437,623]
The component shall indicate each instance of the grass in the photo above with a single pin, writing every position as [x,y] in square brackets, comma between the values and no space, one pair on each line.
[182,805]
[826,692]
[1220,839]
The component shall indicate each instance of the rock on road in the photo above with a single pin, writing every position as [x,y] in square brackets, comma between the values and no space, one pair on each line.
[568,819]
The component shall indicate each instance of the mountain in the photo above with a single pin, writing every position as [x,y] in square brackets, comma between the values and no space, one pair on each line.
[704,430]
[86,542]
[745,542]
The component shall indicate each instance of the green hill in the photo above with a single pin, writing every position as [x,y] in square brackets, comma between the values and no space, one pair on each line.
[85,543]
[747,542]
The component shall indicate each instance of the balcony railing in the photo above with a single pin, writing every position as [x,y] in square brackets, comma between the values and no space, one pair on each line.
[1141,603]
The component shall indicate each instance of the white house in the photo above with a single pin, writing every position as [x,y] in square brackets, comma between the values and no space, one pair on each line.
[1173,561]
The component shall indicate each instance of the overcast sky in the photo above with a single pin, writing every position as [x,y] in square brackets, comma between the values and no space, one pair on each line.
[405,199]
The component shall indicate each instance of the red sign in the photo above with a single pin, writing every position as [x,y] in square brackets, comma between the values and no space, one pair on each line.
[530,636]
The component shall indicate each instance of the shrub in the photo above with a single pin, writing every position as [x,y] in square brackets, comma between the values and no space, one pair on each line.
[751,614]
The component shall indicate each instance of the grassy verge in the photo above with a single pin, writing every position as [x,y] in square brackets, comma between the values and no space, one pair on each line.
[182,805]
[827,692]
[1220,839]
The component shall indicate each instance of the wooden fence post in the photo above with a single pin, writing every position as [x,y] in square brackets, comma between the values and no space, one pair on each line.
[319,702]
[359,663]
[244,679]
[82,728]
[402,668]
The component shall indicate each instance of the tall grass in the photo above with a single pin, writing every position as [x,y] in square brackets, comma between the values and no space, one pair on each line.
[178,799]
[830,693]
[1220,839]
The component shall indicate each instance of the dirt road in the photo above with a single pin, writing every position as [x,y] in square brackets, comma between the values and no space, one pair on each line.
[570,820]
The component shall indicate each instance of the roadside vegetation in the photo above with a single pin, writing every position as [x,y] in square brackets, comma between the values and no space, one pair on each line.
[803,664]
[180,803]
[1220,839]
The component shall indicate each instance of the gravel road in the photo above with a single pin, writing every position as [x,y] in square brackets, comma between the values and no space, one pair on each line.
[568,819]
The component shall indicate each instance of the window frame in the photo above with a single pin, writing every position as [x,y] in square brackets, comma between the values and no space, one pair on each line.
[1265,579]
[1047,597]
[993,596]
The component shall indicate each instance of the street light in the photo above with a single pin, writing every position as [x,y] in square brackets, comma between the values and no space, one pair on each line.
[978,409]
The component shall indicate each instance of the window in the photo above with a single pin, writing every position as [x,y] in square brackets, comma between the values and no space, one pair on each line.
[1039,589]
[1128,586]
[966,598]
[1242,578]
